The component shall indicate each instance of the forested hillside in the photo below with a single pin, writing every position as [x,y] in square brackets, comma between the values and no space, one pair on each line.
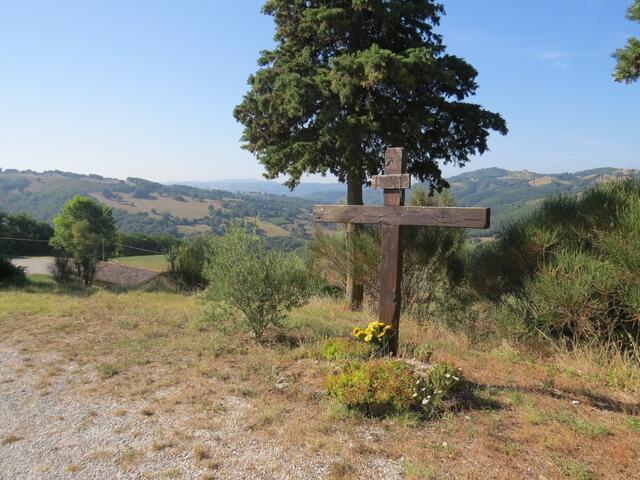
[512,194]
[147,207]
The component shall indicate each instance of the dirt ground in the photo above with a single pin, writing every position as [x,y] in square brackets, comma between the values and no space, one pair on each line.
[49,429]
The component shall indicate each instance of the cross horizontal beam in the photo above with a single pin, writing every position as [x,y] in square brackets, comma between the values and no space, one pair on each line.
[460,217]
[402,180]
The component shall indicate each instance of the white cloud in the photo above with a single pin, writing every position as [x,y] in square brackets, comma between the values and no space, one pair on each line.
[556,59]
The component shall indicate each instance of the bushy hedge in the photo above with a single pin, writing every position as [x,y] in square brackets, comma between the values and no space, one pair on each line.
[571,270]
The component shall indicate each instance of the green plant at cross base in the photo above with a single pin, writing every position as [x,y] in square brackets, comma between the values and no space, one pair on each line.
[384,386]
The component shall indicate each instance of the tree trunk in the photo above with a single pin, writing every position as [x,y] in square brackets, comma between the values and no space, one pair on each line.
[355,292]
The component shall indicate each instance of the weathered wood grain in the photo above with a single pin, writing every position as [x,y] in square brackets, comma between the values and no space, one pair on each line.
[457,217]
[391,181]
[391,252]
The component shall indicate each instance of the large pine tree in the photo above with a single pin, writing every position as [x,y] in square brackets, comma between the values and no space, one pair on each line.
[349,78]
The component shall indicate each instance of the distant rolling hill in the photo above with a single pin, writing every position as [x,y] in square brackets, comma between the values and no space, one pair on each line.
[149,207]
[510,194]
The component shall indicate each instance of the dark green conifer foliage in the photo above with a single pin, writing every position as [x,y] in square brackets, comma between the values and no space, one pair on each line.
[349,78]
[628,66]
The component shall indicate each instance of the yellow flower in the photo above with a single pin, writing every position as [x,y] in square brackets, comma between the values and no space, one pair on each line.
[368,338]
[387,328]
[356,332]
[369,330]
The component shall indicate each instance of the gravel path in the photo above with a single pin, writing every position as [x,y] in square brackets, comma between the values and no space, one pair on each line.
[48,430]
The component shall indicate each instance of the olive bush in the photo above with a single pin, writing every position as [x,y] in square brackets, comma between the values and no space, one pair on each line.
[261,284]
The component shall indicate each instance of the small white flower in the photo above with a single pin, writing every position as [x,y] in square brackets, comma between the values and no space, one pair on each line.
[456,379]
[425,401]
[444,444]
[418,382]
[447,375]
[415,395]
[424,389]
[428,397]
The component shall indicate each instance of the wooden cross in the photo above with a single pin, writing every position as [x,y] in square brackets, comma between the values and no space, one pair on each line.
[391,217]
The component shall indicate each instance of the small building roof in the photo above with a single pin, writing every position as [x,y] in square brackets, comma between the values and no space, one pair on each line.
[123,276]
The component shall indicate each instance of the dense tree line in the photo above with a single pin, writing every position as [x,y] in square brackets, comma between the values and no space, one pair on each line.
[34,235]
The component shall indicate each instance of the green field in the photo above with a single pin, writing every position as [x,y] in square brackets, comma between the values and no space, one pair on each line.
[157,263]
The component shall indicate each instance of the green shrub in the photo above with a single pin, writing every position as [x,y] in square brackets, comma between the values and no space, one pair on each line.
[574,296]
[10,274]
[261,284]
[561,222]
[187,261]
[433,391]
[511,318]
[378,387]
[570,270]
[62,270]
[345,349]
[391,387]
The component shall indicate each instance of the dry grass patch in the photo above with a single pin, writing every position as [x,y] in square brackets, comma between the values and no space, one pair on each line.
[72,468]
[9,439]
[171,473]
[130,458]
[190,208]
[342,470]
[100,455]
[200,452]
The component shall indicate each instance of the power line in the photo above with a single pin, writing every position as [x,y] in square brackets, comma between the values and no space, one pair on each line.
[137,248]
[24,239]
[112,243]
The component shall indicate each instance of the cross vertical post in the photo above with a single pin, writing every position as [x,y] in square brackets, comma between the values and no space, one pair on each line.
[391,252]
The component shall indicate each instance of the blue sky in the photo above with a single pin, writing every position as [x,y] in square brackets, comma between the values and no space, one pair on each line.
[147,88]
